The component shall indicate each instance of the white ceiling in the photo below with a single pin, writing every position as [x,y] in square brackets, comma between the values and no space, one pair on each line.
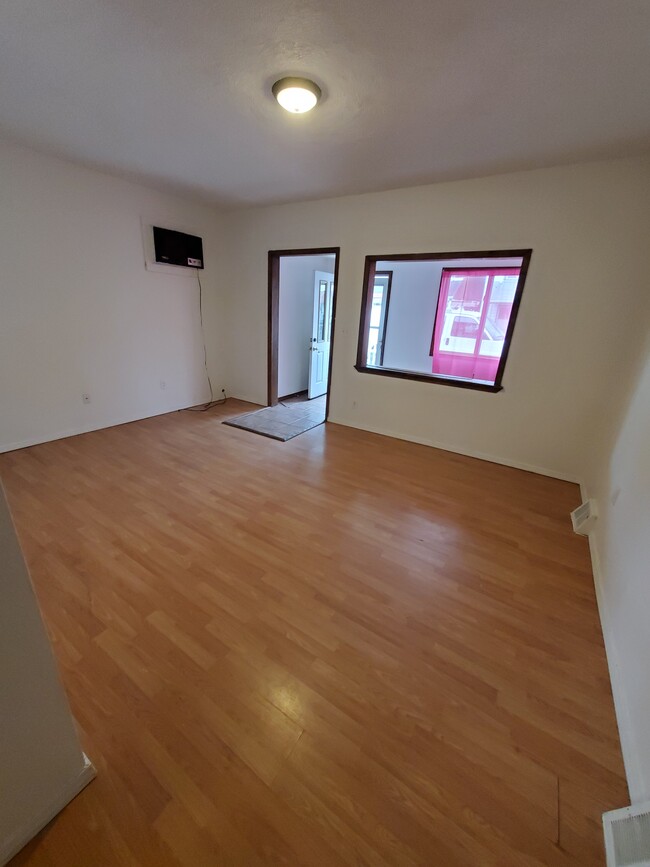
[178,91]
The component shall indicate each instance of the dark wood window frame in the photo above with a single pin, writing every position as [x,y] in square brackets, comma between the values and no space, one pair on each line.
[366,305]
[274,316]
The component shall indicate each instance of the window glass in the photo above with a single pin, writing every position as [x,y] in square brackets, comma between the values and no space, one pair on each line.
[378,312]
[449,316]
[472,316]
[322,309]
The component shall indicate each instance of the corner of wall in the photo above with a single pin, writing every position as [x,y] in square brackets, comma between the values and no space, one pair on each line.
[621,707]
[11,847]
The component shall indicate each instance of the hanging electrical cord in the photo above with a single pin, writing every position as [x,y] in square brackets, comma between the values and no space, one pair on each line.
[212,402]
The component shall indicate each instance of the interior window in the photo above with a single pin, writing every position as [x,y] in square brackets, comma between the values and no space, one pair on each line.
[441,317]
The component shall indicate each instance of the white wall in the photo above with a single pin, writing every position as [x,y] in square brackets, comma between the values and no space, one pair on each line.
[296,308]
[42,765]
[620,543]
[588,228]
[79,312]
[412,308]
[411,313]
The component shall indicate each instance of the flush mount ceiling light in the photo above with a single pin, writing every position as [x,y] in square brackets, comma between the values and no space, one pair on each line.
[296,95]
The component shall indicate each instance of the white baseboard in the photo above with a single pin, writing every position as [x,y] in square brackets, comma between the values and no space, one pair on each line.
[424,441]
[21,837]
[73,432]
[254,401]
[625,731]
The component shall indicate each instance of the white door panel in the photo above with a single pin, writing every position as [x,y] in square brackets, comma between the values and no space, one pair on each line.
[319,354]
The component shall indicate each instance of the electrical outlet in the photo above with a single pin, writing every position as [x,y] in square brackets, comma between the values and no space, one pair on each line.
[85,398]
[163,385]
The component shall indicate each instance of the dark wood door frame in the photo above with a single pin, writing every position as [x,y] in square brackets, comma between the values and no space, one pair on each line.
[274,315]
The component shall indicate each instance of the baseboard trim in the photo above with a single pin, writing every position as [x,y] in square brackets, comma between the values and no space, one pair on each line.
[424,441]
[625,731]
[21,838]
[73,432]
[254,400]
[293,394]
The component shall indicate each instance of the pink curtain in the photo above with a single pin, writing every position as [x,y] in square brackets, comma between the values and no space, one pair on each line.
[472,316]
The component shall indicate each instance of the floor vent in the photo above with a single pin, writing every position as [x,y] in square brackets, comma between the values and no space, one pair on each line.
[627,836]
[583,517]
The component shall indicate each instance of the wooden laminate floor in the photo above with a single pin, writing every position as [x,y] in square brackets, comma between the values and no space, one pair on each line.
[343,649]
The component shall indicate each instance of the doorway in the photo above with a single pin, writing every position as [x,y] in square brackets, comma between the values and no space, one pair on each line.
[302,313]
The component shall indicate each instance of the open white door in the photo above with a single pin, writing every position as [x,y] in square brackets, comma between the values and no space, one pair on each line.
[319,355]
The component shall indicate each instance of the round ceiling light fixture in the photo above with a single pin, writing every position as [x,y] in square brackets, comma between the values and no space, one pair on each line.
[296,95]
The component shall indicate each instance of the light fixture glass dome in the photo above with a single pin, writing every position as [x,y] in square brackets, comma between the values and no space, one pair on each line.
[296,95]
